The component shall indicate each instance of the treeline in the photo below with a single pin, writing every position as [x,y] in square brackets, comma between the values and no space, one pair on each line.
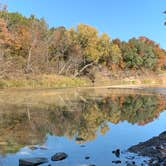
[28,45]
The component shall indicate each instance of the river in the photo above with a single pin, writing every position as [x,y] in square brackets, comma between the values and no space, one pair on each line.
[86,124]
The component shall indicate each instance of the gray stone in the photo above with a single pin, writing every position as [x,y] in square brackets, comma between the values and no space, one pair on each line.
[117,162]
[59,156]
[32,161]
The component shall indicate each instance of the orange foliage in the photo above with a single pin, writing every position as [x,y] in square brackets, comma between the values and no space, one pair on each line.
[5,36]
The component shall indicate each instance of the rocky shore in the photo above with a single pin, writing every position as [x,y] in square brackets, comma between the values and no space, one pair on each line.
[155,148]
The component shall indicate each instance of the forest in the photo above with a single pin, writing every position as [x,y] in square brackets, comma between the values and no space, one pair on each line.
[28,46]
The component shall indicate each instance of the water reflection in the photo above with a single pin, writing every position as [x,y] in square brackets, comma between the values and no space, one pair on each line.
[28,124]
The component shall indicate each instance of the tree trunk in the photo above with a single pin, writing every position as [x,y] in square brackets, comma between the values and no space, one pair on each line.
[86,66]
[28,68]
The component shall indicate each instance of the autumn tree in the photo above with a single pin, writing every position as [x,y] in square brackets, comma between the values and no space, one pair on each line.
[115,55]
[5,36]
[87,37]
[104,48]
[29,39]
[5,43]
[64,51]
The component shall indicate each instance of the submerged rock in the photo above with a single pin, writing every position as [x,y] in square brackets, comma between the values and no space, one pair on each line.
[87,158]
[33,147]
[59,156]
[116,152]
[130,157]
[88,165]
[117,162]
[43,148]
[130,163]
[32,161]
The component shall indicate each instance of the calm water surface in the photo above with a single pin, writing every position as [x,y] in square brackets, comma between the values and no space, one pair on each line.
[52,120]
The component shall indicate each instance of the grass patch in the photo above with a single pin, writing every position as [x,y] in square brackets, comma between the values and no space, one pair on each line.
[146,81]
[45,81]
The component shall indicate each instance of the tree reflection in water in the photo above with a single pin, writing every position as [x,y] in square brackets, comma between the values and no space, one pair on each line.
[22,125]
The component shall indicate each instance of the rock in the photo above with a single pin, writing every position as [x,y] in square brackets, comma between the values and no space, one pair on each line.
[117,162]
[130,157]
[88,165]
[79,139]
[33,147]
[59,156]
[43,148]
[116,152]
[87,158]
[155,148]
[130,163]
[32,161]
[155,162]
[163,163]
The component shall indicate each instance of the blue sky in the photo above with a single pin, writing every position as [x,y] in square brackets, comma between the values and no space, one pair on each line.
[119,18]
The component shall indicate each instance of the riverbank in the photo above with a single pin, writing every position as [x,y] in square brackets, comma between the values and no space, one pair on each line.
[155,148]
[58,81]
[44,81]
